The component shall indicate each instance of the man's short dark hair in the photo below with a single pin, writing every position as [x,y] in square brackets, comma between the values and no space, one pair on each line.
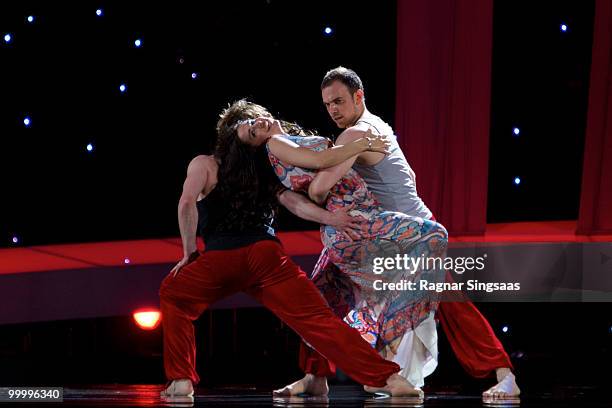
[347,76]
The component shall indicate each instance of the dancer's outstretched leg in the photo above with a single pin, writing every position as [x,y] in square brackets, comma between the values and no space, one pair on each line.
[284,289]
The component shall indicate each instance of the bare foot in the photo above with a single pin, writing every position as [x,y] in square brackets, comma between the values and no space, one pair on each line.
[178,388]
[506,388]
[397,386]
[311,385]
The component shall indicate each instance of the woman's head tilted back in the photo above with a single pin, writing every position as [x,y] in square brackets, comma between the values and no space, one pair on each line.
[237,112]
[252,124]
[229,147]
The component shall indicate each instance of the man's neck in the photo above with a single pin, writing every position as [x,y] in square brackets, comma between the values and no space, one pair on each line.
[363,112]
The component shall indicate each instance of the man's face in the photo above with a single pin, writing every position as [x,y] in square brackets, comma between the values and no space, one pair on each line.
[342,107]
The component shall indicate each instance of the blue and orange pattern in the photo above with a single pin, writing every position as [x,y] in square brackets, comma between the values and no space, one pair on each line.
[344,273]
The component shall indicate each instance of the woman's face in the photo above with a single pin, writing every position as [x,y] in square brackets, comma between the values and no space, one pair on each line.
[256,132]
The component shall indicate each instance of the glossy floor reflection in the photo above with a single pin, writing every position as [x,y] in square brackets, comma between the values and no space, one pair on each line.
[340,396]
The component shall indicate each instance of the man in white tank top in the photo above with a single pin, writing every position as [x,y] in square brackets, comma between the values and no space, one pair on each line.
[393,182]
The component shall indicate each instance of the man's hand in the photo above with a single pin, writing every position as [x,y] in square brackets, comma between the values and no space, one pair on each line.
[185,261]
[345,223]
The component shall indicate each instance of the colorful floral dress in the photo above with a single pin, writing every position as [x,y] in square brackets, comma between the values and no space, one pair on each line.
[383,317]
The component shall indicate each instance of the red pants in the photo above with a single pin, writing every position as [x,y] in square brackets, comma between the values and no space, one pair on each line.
[468,331]
[265,272]
[471,337]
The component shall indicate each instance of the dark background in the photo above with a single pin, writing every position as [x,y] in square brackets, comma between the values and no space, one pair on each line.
[66,68]
[64,72]
[540,83]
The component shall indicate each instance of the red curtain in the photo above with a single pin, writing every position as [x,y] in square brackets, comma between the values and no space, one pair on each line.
[595,215]
[442,105]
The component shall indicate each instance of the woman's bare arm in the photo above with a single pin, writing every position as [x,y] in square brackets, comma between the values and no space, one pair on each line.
[294,154]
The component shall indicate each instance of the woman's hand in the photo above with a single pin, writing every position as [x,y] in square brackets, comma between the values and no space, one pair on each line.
[375,143]
[185,261]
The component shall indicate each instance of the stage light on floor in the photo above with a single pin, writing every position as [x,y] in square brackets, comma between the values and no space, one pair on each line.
[328,31]
[122,88]
[27,122]
[30,19]
[99,12]
[126,261]
[516,131]
[563,27]
[138,43]
[89,147]
[8,38]
[517,181]
[505,329]
[147,319]
[194,75]
[15,240]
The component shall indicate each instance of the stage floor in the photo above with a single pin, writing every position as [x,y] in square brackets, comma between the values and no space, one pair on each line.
[340,396]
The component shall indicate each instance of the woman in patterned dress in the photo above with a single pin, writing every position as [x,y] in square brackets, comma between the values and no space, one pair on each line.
[385,318]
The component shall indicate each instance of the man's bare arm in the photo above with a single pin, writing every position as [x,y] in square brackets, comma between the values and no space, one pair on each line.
[302,207]
[198,176]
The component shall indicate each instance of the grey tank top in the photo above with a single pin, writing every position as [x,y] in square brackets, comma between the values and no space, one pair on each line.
[390,179]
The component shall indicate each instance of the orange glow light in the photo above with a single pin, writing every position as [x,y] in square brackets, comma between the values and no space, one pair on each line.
[147,319]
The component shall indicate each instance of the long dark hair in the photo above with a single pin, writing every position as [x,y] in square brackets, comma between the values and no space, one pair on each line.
[247,186]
